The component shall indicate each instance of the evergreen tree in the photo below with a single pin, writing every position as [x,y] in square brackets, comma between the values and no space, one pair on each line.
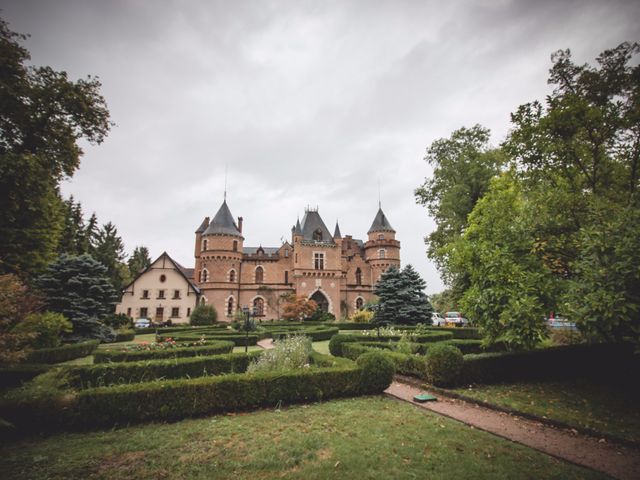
[72,240]
[43,116]
[109,250]
[79,288]
[139,261]
[402,299]
[90,234]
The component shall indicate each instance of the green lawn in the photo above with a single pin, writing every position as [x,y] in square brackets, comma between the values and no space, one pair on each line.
[577,402]
[364,438]
[322,347]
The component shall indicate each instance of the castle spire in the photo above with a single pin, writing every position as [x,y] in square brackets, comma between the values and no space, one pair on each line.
[336,233]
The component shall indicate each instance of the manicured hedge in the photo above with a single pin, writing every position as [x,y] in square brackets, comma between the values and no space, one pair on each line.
[13,376]
[424,338]
[314,333]
[602,361]
[239,339]
[180,328]
[176,399]
[63,353]
[352,326]
[125,336]
[211,348]
[411,365]
[462,333]
[144,371]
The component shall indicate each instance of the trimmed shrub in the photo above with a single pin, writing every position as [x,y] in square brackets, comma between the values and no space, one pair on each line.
[203,315]
[11,377]
[335,344]
[144,371]
[239,339]
[444,363]
[377,372]
[353,326]
[125,336]
[314,333]
[211,348]
[461,333]
[63,353]
[410,365]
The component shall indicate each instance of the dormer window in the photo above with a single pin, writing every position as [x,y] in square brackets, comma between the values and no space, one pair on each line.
[260,251]
[317,235]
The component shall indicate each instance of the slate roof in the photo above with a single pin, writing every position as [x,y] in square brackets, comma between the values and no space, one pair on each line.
[336,233]
[311,222]
[203,226]
[223,223]
[254,250]
[380,223]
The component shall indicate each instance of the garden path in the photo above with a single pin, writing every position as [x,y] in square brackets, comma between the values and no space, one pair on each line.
[266,343]
[605,456]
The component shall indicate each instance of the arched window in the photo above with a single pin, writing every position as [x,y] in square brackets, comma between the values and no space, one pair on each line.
[235,245]
[358,276]
[232,276]
[230,307]
[204,244]
[381,236]
[205,275]
[203,301]
[317,235]
[258,307]
[359,303]
[259,275]
[382,253]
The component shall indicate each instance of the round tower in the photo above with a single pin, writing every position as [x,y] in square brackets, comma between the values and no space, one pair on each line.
[382,250]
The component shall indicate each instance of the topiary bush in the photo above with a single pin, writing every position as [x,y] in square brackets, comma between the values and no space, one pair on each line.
[444,363]
[377,372]
[335,344]
[204,315]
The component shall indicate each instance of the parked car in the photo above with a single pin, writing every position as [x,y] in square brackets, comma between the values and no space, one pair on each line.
[456,319]
[560,322]
[142,323]
[437,319]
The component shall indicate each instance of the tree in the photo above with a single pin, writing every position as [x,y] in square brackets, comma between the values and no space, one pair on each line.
[43,116]
[109,250]
[47,329]
[203,315]
[139,261]
[298,307]
[16,303]
[79,289]
[462,165]
[402,297]
[72,240]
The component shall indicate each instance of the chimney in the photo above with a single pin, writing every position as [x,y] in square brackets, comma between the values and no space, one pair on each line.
[240,224]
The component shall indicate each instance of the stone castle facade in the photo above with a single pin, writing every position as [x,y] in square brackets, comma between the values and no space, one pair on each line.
[336,272]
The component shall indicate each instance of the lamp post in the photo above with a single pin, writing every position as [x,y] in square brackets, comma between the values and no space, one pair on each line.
[376,321]
[248,325]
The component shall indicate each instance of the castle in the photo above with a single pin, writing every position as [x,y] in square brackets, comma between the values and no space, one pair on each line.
[337,272]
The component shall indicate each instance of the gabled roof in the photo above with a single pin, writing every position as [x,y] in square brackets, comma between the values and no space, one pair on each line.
[380,223]
[187,273]
[223,223]
[311,223]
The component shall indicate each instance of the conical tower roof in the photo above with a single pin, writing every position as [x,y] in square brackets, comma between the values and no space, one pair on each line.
[203,226]
[313,227]
[380,223]
[223,223]
[336,233]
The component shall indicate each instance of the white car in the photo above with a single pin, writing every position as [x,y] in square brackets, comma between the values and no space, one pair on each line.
[142,323]
[437,320]
[456,319]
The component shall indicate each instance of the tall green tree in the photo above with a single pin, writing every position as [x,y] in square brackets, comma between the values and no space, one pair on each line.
[72,240]
[402,298]
[79,288]
[43,117]
[109,250]
[138,261]
[463,165]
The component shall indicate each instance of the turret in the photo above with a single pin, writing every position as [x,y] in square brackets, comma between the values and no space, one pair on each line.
[203,226]
[382,250]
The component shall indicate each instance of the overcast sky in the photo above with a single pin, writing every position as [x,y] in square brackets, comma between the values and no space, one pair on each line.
[307,102]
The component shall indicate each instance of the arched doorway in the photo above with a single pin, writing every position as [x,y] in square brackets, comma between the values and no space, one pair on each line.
[321,300]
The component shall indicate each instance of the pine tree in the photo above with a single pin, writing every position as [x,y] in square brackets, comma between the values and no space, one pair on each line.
[72,240]
[109,250]
[402,297]
[78,287]
[139,260]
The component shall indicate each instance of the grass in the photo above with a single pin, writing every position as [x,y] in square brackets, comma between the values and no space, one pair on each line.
[322,347]
[364,438]
[581,403]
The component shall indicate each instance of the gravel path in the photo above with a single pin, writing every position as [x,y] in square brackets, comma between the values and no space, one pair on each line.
[267,343]
[615,460]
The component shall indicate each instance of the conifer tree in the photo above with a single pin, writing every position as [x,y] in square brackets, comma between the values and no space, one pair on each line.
[402,297]
[139,260]
[109,250]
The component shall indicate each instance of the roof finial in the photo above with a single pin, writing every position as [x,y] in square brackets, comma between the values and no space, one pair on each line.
[225,182]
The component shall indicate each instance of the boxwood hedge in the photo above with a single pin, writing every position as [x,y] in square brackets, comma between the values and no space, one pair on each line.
[63,353]
[211,348]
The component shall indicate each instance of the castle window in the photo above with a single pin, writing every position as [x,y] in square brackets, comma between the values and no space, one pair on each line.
[204,244]
[317,235]
[258,307]
[235,245]
[161,294]
[129,312]
[188,311]
[145,294]
[318,261]
[230,307]
[143,312]
[205,275]
[176,294]
[358,276]
[286,253]
[232,276]
[286,276]
[381,236]
[175,312]
[382,253]
[259,275]
[359,303]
